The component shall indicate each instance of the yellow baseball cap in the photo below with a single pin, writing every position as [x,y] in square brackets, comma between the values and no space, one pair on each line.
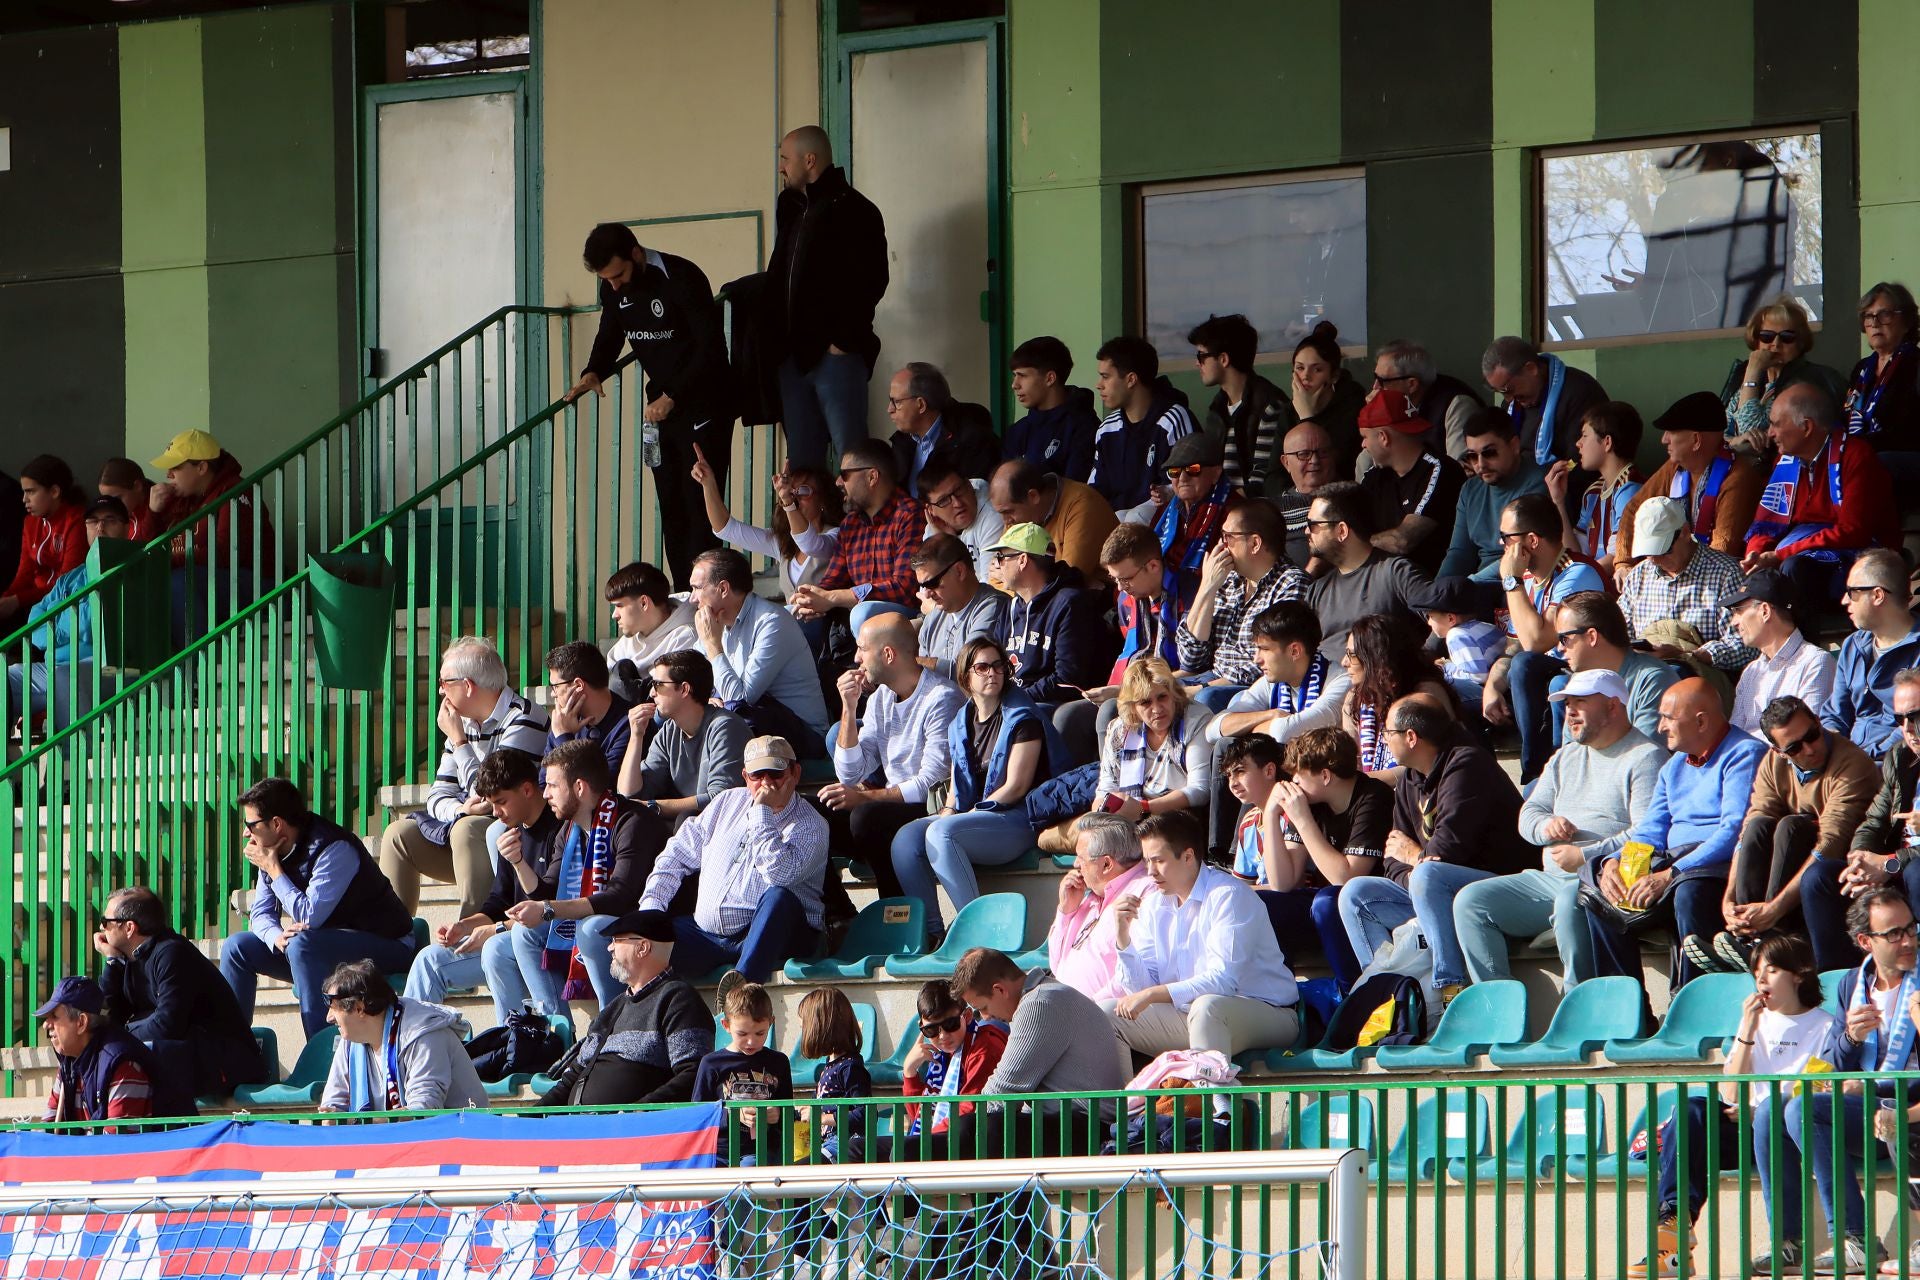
[188,446]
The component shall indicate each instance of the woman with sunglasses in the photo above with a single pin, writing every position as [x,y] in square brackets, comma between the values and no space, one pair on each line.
[804,534]
[1001,746]
[1385,661]
[1779,337]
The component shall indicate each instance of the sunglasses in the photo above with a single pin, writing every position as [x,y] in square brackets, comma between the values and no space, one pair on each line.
[1564,636]
[1472,456]
[944,1027]
[1201,357]
[1911,719]
[847,471]
[1191,469]
[767,775]
[335,997]
[801,491]
[1765,336]
[1801,743]
[928,584]
[988,668]
[107,920]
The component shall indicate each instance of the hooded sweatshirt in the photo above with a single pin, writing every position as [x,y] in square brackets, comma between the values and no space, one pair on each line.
[1129,457]
[49,548]
[231,529]
[430,1053]
[1057,440]
[1059,640]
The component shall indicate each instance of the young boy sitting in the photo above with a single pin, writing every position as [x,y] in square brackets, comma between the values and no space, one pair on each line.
[746,1070]
[1251,766]
[1457,610]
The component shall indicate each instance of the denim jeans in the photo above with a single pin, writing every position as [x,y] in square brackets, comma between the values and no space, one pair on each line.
[933,852]
[1528,682]
[1696,1115]
[1215,697]
[72,691]
[439,969]
[1372,907]
[825,406]
[1486,914]
[310,957]
[1824,908]
[1696,909]
[778,933]
[1820,1134]
[511,962]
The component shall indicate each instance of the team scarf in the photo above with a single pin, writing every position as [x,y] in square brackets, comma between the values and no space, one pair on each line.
[1374,755]
[1603,516]
[580,877]
[1869,384]
[1292,700]
[1774,519]
[1186,544]
[1717,472]
[1543,442]
[1900,1040]
[360,1068]
[1132,773]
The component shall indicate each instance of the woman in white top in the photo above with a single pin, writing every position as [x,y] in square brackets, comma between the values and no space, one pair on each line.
[1782,1027]
[804,534]
[1156,757]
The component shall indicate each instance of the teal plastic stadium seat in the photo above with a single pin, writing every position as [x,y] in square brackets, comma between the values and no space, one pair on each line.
[1481,1016]
[806,1069]
[1461,1132]
[997,920]
[1037,958]
[1333,1122]
[422,939]
[508,1085]
[889,927]
[1589,1016]
[1703,1014]
[1319,1057]
[1614,1163]
[1830,990]
[1560,1126]
[269,1044]
[816,773]
[892,1069]
[1028,861]
[306,1082]
[1062,861]
[541,1083]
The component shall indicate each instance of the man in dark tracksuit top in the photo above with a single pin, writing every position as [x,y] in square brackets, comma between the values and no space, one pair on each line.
[664,306]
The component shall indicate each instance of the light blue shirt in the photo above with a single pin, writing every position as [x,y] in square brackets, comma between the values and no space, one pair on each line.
[922,450]
[764,654]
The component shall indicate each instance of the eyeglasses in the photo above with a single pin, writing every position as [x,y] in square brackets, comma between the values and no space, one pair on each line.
[944,1027]
[1390,731]
[1322,524]
[1307,455]
[894,402]
[1899,932]
[1234,533]
[1000,554]
[1883,316]
[1764,336]
[950,499]
[447,680]
[1515,536]
[928,584]
[1191,469]
[1801,743]
[988,668]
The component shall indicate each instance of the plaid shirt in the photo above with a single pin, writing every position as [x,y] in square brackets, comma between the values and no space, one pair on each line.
[1228,652]
[1692,596]
[872,555]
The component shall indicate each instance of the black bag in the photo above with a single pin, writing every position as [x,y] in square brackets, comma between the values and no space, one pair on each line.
[1409,1021]
[526,1044]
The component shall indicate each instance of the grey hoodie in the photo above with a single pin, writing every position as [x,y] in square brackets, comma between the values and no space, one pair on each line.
[435,1071]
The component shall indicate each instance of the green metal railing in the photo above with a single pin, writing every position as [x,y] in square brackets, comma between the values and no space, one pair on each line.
[1515,1188]
[508,532]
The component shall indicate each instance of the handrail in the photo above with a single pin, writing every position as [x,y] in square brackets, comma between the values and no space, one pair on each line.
[249,482]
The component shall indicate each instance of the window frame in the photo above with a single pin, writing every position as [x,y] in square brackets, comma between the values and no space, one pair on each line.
[1140,192]
[1537,229]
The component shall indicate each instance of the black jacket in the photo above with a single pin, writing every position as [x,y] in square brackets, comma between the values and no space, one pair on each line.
[639,834]
[1129,457]
[168,990]
[540,846]
[1059,441]
[966,443]
[668,313]
[1466,812]
[644,1046]
[1253,433]
[828,271]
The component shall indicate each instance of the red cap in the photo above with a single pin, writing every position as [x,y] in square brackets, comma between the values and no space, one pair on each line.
[1392,409]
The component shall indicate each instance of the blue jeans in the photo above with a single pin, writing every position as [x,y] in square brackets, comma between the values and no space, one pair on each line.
[72,690]
[1215,697]
[439,969]
[1696,909]
[1528,682]
[1698,1113]
[1296,911]
[1820,1134]
[1824,908]
[1372,907]
[825,405]
[310,958]
[515,977]
[1486,914]
[930,852]
[779,932]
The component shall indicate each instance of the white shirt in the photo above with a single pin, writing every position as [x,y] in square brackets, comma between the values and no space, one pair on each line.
[978,538]
[1219,942]
[1322,713]
[1801,669]
[675,633]
[904,740]
[1782,1043]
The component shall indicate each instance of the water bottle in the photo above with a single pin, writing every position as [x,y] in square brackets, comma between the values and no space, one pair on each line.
[650,444]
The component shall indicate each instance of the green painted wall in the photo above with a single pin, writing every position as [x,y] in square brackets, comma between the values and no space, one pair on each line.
[1889,158]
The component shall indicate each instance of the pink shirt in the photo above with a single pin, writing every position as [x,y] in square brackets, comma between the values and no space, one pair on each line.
[1080,946]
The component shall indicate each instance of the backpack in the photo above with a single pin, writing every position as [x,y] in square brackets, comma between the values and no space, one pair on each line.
[525,1044]
[1405,1008]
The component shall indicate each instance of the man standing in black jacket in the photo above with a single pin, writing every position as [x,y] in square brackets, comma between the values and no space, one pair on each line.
[827,274]
[664,307]
[165,992]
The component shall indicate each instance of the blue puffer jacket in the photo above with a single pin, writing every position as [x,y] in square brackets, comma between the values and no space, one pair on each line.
[1016,709]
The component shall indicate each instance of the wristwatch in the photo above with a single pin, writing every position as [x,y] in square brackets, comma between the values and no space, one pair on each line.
[1893,864]
[546,913]
[1509,583]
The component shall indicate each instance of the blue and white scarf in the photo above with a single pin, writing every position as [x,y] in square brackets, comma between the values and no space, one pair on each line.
[1543,441]
[1774,517]
[1900,1039]
[1292,700]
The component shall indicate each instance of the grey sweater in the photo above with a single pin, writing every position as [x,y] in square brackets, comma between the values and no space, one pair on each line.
[700,767]
[943,634]
[1060,1042]
[1602,793]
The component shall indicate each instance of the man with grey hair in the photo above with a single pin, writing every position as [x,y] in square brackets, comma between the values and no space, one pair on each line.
[1546,397]
[1081,948]
[1406,367]
[1828,498]
[931,424]
[478,715]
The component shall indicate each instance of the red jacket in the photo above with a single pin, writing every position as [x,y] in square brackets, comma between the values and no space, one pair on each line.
[1864,517]
[231,527]
[48,548]
[981,1054]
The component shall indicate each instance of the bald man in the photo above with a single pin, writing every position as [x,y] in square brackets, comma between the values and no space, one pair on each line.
[888,761]
[827,274]
[1693,825]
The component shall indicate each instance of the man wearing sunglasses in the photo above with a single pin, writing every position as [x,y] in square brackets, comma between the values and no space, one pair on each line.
[1500,472]
[958,606]
[1886,640]
[1810,794]
[1248,412]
